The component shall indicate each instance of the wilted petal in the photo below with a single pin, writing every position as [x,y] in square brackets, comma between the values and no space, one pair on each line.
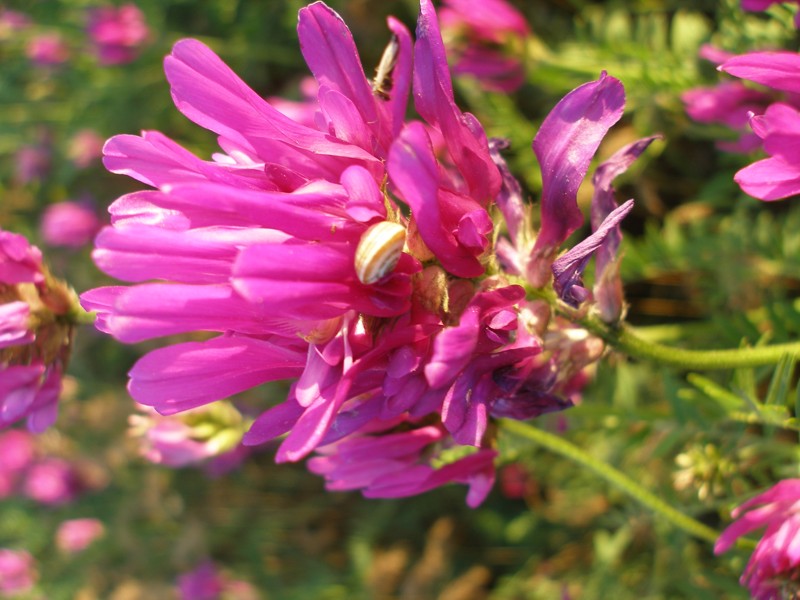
[568,268]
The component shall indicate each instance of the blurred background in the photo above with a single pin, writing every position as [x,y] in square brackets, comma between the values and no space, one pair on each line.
[703,264]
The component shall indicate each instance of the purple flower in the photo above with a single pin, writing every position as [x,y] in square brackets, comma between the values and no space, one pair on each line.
[17,571]
[69,224]
[75,535]
[352,251]
[771,573]
[202,583]
[32,162]
[47,49]
[117,33]
[486,40]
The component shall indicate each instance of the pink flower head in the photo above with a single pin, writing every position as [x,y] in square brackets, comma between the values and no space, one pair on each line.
[69,224]
[51,481]
[17,571]
[202,583]
[75,535]
[771,573]
[301,245]
[47,49]
[117,33]
[192,437]
[12,21]
[486,39]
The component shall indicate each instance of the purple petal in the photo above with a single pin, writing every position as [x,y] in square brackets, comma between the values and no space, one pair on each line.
[564,145]
[568,268]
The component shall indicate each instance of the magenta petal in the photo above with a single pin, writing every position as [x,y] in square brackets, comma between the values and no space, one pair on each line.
[188,375]
[564,145]
[770,179]
[210,94]
[414,172]
[331,54]
[433,96]
[778,70]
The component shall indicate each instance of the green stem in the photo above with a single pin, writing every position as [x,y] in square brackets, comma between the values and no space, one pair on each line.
[625,340]
[569,450]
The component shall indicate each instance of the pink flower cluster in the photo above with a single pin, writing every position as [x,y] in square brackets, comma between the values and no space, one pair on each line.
[356,254]
[117,33]
[36,331]
[47,480]
[772,572]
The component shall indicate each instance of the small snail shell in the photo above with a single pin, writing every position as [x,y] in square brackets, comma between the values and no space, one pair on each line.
[378,251]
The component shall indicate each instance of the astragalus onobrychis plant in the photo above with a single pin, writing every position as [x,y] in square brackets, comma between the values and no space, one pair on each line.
[424,289]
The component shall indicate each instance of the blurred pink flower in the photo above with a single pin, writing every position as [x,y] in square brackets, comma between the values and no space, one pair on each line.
[85,147]
[17,452]
[47,49]
[117,33]
[69,224]
[51,481]
[12,21]
[771,573]
[729,103]
[17,572]
[204,582]
[486,40]
[75,535]
[32,162]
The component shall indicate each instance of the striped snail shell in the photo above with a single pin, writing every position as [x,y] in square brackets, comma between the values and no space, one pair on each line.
[379,250]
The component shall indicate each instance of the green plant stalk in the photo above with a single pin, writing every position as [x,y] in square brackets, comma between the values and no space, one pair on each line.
[569,450]
[625,340]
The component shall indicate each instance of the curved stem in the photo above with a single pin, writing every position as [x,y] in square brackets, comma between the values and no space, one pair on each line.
[625,340]
[569,450]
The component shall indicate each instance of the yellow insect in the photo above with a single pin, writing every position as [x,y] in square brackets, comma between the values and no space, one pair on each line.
[379,251]
[382,82]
